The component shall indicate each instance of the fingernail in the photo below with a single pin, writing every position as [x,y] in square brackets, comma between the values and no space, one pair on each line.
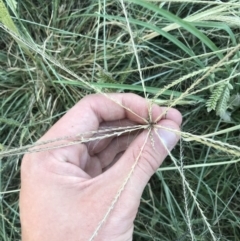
[168,137]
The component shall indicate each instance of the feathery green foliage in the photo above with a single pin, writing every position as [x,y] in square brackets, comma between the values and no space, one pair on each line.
[219,99]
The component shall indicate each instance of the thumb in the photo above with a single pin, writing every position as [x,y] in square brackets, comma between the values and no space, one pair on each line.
[146,153]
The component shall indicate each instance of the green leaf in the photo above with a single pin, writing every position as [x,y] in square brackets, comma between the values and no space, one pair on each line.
[188,26]
[151,90]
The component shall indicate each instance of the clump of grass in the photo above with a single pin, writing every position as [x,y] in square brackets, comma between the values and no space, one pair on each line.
[180,53]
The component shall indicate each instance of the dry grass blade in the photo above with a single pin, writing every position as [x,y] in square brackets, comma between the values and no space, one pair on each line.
[230,3]
[225,147]
[186,184]
[72,140]
[121,189]
[184,94]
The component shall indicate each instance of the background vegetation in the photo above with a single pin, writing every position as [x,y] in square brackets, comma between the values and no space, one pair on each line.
[188,57]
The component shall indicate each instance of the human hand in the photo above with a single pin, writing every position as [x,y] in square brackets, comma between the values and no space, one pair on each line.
[66,192]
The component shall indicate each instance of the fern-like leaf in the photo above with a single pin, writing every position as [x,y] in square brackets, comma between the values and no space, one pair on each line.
[219,101]
[223,100]
[214,98]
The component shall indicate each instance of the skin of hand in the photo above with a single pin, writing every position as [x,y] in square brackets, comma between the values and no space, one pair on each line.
[66,192]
